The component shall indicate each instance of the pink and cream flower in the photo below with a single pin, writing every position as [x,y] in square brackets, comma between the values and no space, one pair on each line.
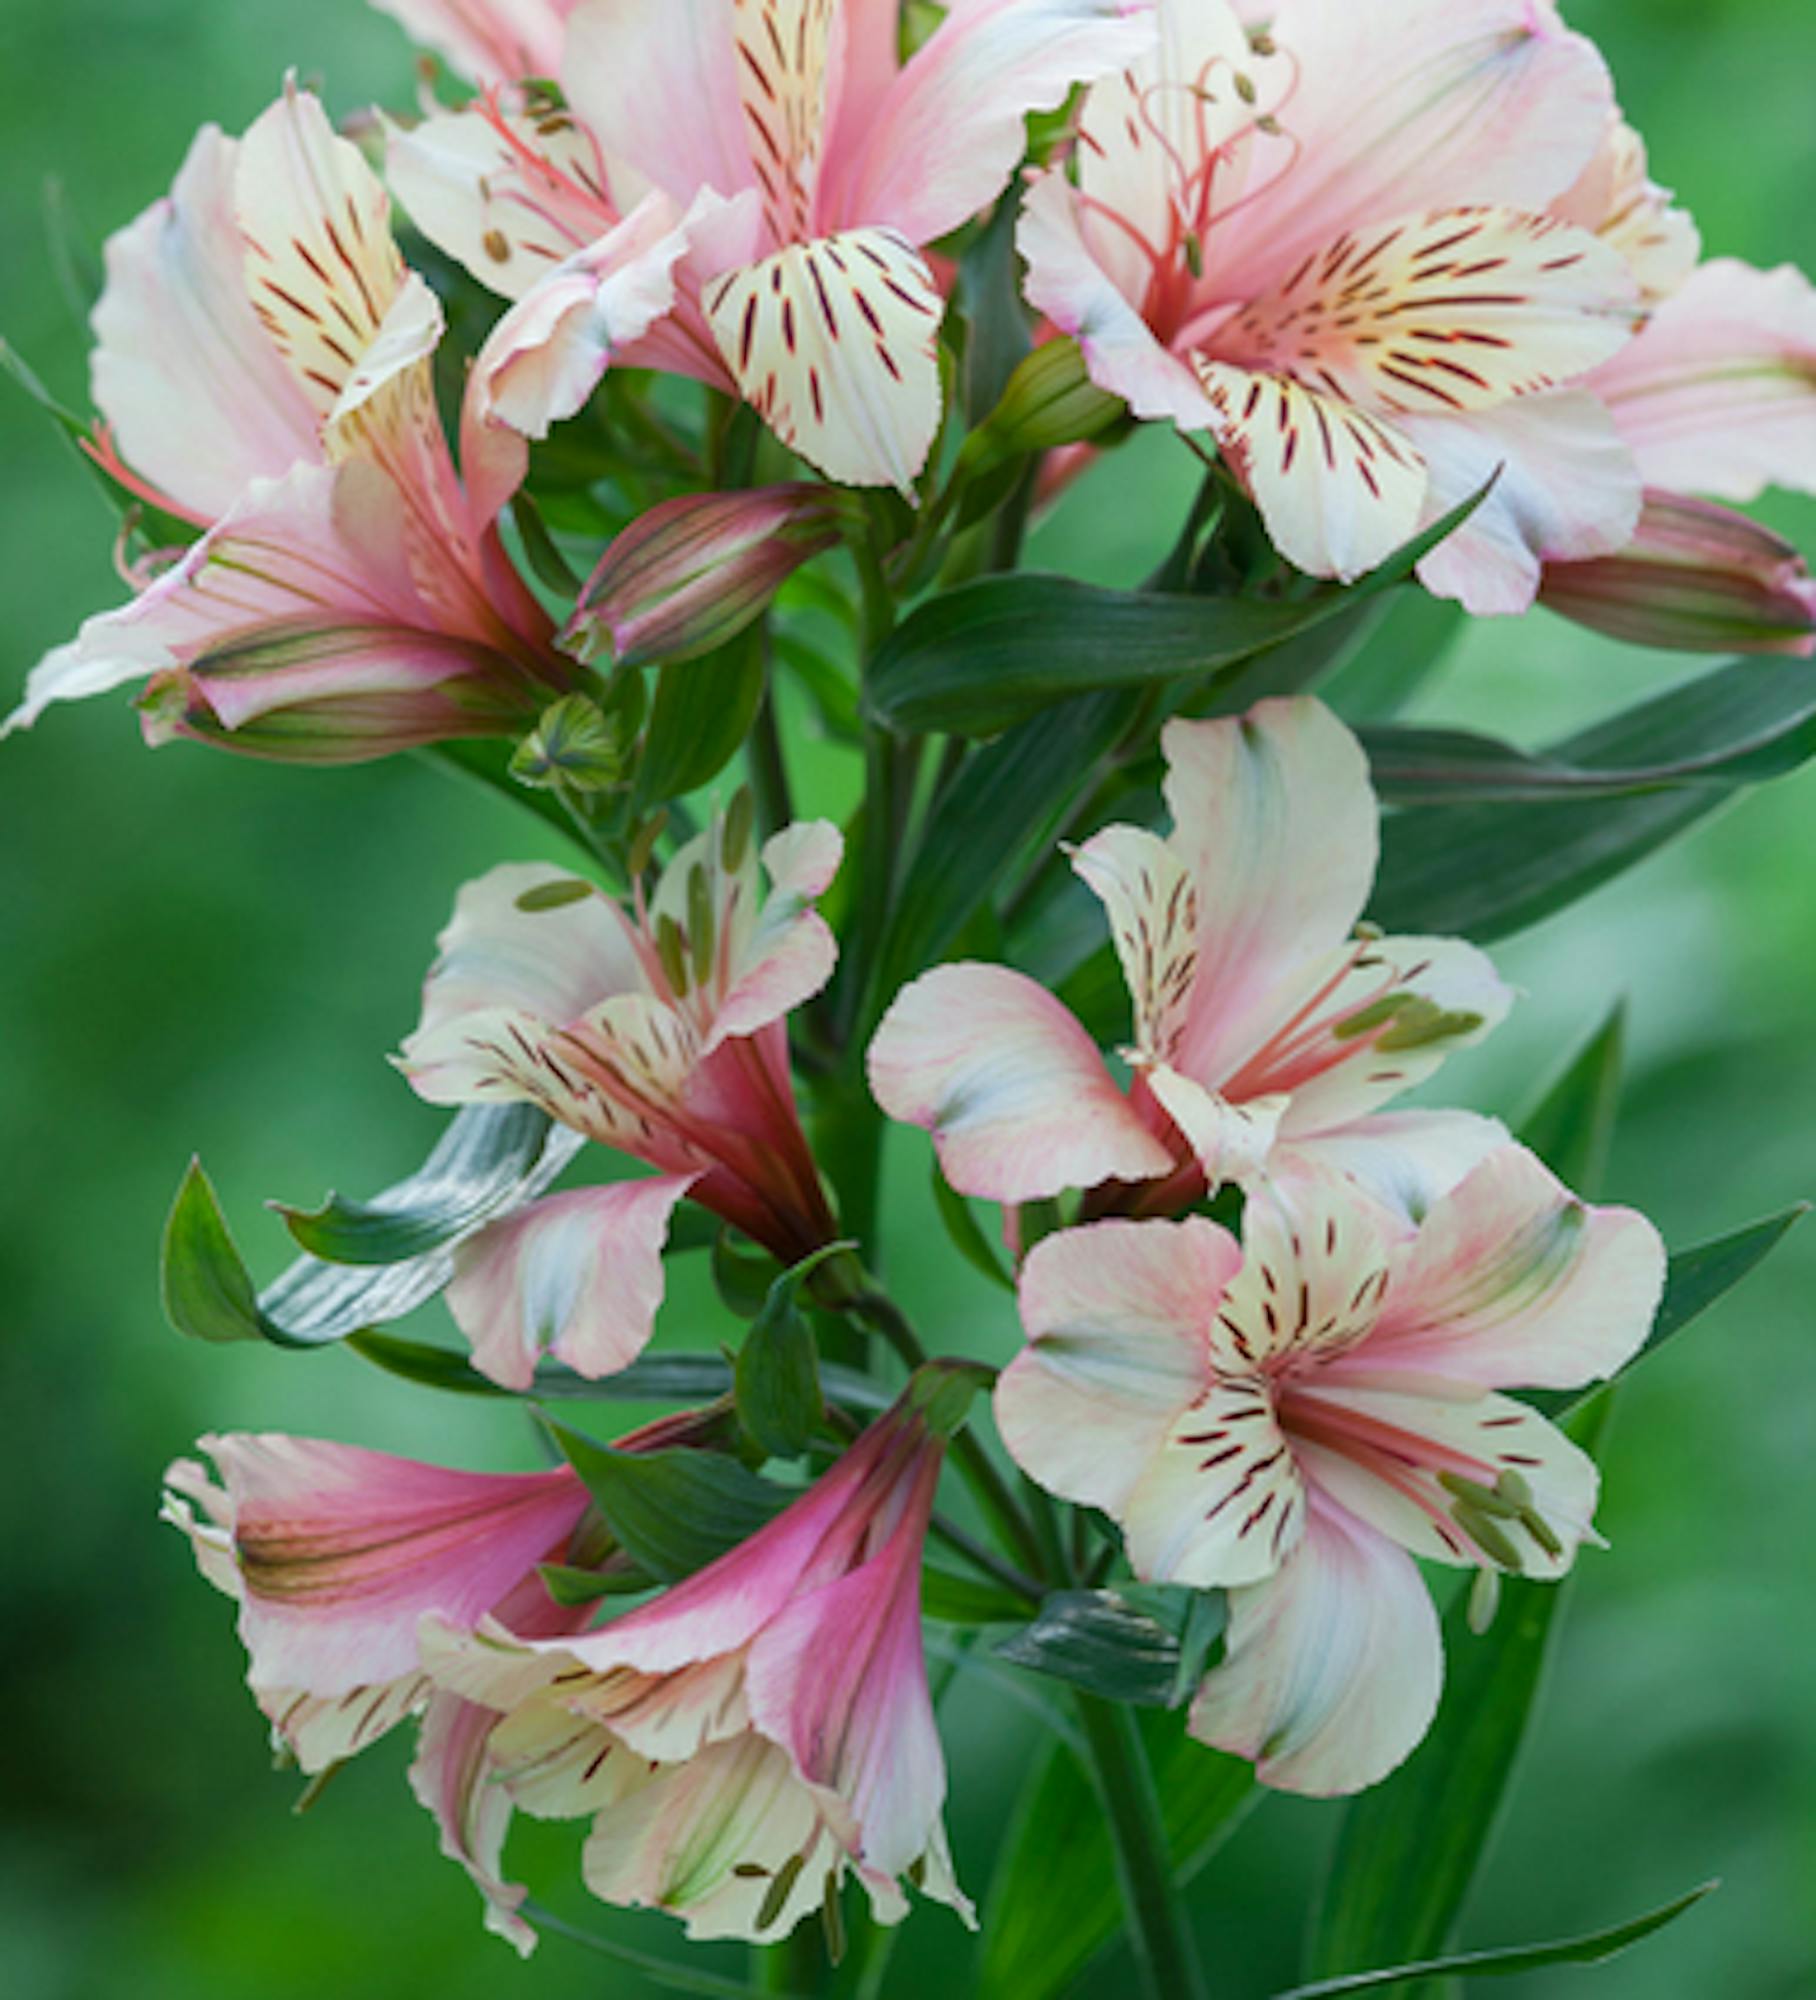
[661,1032]
[1270,1024]
[739,191]
[1326,245]
[757,1732]
[488,41]
[1296,1418]
[263,365]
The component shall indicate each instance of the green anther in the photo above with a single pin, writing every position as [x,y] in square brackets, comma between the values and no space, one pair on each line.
[701,922]
[1440,1027]
[644,845]
[1263,44]
[750,1871]
[554,895]
[1487,1536]
[1512,1488]
[734,840]
[779,1890]
[1541,1532]
[671,949]
[1484,1600]
[1194,254]
[832,1918]
[1372,1016]
[1486,1499]
[1245,88]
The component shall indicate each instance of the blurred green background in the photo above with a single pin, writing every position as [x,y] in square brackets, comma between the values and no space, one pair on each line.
[203,954]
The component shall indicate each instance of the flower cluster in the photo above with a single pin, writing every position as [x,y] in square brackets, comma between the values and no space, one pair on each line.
[1387,265]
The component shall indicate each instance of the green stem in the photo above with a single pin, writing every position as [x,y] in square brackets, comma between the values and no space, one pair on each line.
[1166,1955]
[794,1964]
[768,771]
[980,1557]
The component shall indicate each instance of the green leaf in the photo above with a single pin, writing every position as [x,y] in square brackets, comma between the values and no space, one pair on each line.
[702,712]
[1054,1902]
[567,1585]
[996,321]
[1408,1851]
[1491,867]
[967,1235]
[479,1168]
[1105,1641]
[968,1600]
[777,1372]
[742,1274]
[1595,1948]
[206,1290]
[1401,657]
[1695,1280]
[1571,1128]
[976,660]
[672,1512]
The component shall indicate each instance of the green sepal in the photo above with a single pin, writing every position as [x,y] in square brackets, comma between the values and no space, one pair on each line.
[777,1372]
[206,1289]
[941,1393]
[672,1512]
[743,1275]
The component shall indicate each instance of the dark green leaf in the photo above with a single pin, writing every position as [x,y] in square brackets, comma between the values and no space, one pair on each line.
[1100,1641]
[702,712]
[742,1274]
[1398,660]
[1695,1280]
[967,1235]
[1572,1126]
[1595,1948]
[996,322]
[976,660]
[207,1292]
[1055,1902]
[672,1512]
[567,1585]
[479,1168]
[1408,1851]
[968,1600]
[778,1368]
[1486,869]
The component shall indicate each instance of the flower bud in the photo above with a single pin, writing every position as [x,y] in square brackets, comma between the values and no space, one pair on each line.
[694,571]
[1696,578]
[339,695]
[1050,401]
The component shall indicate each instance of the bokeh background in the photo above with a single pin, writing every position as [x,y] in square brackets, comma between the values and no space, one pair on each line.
[197,953]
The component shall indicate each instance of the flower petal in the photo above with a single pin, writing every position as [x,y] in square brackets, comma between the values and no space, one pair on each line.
[1151,901]
[1565,488]
[1117,1317]
[496,41]
[1718,394]
[1013,1090]
[1404,1160]
[452,1777]
[578,1276]
[787,955]
[200,400]
[1333,1666]
[1514,1281]
[940,142]
[1616,199]
[1232,1141]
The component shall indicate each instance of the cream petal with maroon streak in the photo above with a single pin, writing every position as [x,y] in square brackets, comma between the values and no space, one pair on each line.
[453,1777]
[321,266]
[1118,1318]
[835,344]
[1149,896]
[1340,489]
[1232,1141]
[1331,1668]
[1616,199]
[1015,1093]
[787,67]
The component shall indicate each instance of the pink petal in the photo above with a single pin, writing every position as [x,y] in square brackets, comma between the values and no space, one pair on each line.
[1069,283]
[451,1775]
[789,953]
[201,402]
[578,1276]
[1118,1317]
[1565,487]
[1275,818]
[1333,1666]
[1616,199]
[1718,394]
[1512,1281]
[940,143]
[1407,104]
[1232,1142]
[1402,1159]
[343,1551]
[1013,1090]
[487,41]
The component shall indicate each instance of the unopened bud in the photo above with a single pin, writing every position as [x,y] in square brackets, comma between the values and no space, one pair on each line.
[573,745]
[1696,578]
[1050,401]
[693,572]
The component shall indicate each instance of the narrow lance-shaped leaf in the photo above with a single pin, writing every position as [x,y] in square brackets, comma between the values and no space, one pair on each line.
[777,1371]
[701,713]
[967,1235]
[1594,1948]
[1124,1644]
[976,660]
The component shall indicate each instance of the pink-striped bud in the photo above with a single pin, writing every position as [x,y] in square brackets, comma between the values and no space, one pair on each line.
[694,571]
[1696,578]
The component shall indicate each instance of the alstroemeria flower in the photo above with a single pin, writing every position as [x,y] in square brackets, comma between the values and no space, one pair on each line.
[659,1031]
[488,41]
[1269,1024]
[756,1732]
[738,190]
[263,368]
[1297,1418]
[1325,245]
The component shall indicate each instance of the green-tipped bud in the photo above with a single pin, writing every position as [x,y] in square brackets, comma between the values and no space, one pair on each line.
[1050,401]
[573,747]
[941,1392]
